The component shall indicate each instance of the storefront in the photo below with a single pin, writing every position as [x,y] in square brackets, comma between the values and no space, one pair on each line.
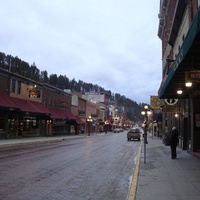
[174,86]
[21,118]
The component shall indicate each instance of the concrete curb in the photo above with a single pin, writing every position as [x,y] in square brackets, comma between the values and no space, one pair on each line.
[132,191]
[40,140]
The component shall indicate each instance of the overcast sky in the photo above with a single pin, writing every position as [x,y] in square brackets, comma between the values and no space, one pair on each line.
[111,43]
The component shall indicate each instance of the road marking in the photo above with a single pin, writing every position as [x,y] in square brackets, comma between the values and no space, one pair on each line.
[132,191]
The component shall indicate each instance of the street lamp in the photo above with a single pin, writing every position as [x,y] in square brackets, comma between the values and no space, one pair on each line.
[145,112]
[89,121]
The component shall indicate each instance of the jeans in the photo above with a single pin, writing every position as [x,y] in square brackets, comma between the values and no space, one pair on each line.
[173,150]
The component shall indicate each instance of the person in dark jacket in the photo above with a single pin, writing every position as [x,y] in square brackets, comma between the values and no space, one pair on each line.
[174,142]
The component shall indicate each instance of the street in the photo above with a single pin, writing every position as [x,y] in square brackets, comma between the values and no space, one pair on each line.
[96,168]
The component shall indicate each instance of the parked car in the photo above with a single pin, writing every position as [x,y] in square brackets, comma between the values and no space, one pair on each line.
[134,133]
[116,130]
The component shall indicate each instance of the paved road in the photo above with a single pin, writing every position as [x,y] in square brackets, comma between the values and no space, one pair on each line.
[88,168]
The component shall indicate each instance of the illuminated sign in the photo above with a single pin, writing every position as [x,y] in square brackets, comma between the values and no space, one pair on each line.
[34,94]
[171,102]
[155,102]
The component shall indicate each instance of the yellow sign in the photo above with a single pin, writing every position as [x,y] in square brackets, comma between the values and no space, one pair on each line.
[155,102]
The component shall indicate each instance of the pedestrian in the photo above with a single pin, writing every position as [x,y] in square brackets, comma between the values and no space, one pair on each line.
[173,142]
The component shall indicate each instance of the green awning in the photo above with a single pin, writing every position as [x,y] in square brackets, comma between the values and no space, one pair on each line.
[191,35]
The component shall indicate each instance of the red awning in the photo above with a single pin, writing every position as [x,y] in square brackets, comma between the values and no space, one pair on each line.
[40,108]
[6,101]
[79,121]
[61,114]
[57,114]
[70,115]
[30,106]
[24,105]
[36,107]
[21,104]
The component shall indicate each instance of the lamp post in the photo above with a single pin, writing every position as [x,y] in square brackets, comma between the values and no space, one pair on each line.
[89,121]
[145,112]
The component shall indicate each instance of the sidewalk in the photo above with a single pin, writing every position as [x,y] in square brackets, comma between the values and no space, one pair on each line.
[45,139]
[162,178]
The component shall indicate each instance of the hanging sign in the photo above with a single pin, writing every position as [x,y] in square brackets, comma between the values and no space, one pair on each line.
[171,102]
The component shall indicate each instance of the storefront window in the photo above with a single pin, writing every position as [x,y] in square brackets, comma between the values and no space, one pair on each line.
[2,124]
[60,127]
[11,125]
[30,124]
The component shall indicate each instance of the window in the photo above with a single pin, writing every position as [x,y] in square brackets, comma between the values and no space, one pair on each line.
[183,38]
[13,85]
[18,87]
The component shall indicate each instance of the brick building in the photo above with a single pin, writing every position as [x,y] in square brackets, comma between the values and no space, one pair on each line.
[30,108]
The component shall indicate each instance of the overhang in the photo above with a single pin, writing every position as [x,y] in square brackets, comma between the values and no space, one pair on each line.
[78,121]
[40,108]
[70,115]
[22,105]
[187,59]
[61,114]
[7,102]
[30,106]
[57,114]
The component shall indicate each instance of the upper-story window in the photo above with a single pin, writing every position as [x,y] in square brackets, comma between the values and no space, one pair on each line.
[13,81]
[18,87]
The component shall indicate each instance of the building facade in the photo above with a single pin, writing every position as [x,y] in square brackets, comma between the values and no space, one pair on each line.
[179,31]
[29,108]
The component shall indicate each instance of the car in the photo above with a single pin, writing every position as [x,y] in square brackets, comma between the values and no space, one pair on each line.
[116,130]
[134,133]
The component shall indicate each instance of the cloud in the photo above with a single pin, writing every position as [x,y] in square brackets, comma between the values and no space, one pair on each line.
[110,43]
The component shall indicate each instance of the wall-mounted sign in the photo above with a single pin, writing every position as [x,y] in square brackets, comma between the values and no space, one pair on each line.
[171,109]
[94,115]
[155,102]
[64,104]
[74,100]
[34,93]
[193,76]
[171,102]
[81,112]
